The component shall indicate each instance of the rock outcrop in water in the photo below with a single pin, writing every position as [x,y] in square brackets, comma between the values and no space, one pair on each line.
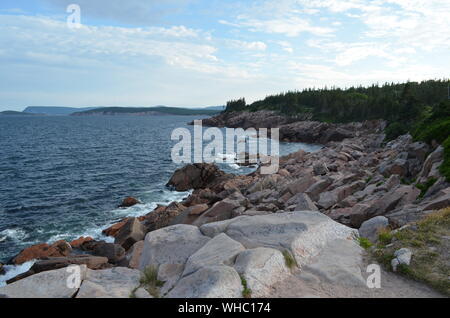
[266,229]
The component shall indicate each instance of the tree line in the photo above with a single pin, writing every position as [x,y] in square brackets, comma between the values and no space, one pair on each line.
[420,108]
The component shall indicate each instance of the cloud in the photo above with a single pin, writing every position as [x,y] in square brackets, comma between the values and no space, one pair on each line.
[251,46]
[289,26]
[38,39]
[133,12]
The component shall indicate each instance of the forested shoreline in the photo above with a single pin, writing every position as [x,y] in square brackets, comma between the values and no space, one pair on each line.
[421,109]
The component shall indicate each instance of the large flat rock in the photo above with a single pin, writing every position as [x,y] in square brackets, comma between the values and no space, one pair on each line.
[262,268]
[340,262]
[171,245]
[221,250]
[218,281]
[51,284]
[118,282]
[303,233]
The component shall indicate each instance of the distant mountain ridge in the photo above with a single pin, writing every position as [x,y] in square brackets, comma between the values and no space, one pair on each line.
[148,111]
[15,113]
[55,110]
[107,110]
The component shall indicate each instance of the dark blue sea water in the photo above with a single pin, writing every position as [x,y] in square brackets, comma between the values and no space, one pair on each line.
[63,177]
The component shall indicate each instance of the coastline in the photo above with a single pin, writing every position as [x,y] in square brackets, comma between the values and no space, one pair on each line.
[349,180]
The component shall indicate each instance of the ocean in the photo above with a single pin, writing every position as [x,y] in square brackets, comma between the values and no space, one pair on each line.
[63,177]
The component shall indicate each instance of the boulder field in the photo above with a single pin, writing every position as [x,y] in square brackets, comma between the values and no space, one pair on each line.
[241,236]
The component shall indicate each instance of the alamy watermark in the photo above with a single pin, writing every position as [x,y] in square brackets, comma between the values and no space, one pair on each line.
[238,146]
[74,18]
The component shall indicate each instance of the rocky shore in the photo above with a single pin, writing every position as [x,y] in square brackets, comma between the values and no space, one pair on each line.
[242,236]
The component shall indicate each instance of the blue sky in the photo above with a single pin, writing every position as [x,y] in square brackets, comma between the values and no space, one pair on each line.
[204,52]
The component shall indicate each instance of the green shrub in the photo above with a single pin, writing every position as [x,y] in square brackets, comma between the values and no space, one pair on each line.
[425,186]
[385,236]
[365,243]
[150,282]
[395,130]
[437,130]
[246,292]
[445,167]
[291,263]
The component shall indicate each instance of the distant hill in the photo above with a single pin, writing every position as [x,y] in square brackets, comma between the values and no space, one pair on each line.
[147,111]
[219,108]
[14,113]
[55,110]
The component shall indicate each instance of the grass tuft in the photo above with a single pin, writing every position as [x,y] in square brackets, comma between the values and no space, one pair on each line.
[364,243]
[291,263]
[428,241]
[385,236]
[246,292]
[150,282]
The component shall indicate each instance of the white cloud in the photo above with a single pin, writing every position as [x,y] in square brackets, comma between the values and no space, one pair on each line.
[42,40]
[289,26]
[251,46]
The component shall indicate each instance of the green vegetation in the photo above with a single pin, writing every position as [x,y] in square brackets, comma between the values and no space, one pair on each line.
[428,241]
[246,292]
[397,103]
[425,186]
[421,109]
[291,263]
[384,236]
[150,282]
[445,167]
[150,110]
[365,243]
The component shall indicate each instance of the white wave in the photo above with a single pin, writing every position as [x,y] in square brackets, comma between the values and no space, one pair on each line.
[17,234]
[234,166]
[14,270]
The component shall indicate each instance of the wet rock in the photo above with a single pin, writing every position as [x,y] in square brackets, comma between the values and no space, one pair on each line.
[2,270]
[80,241]
[129,202]
[163,216]
[40,251]
[114,229]
[92,262]
[195,176]
[113,252]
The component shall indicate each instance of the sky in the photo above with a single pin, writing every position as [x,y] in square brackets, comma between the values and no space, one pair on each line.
[194,53]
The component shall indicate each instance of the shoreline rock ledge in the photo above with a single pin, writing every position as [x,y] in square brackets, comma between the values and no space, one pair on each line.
[207,261]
